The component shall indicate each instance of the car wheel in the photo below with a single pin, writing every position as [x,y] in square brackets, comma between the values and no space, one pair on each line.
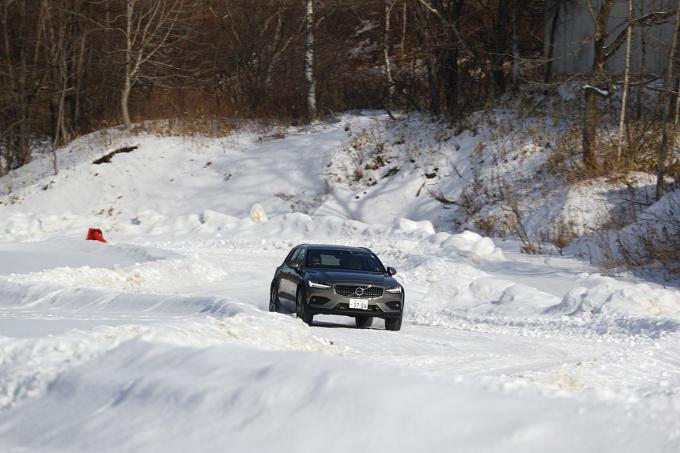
[363,322]
[274,299]
[301,310]
[393,324]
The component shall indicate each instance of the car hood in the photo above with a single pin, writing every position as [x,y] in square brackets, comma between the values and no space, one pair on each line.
[359,278]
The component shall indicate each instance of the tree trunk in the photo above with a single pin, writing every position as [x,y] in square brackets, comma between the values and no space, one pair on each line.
[124,101]
[669,83]
[551,42]
[309,62]
[79,73]
[61,134]
[404,20]
[676,123]
[449,77]
[626,81]
[499,45]
[515,46]
[643,62]
[591,118]
[127,84]
[591,114]
[448,59]
[389,4]
[433,82]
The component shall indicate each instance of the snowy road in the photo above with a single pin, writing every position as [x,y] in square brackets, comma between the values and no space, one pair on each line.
[160,340]
[515,382]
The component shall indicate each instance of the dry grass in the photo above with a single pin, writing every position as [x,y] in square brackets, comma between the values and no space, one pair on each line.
[639,153]
[193,127]
[653,246]
[562,235]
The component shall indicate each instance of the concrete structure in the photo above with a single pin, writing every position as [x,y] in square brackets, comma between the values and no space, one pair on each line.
[573,50]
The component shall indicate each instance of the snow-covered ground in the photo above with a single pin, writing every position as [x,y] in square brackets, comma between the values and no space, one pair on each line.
[160,340]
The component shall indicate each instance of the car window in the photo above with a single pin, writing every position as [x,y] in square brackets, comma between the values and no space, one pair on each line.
[327,259]
[344,259]
[301,255]
[291,255]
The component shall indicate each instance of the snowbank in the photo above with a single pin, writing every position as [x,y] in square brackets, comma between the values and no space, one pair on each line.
[597,294]
[473,245]
[30,365]
[247,400]
[159,277]
[66,252]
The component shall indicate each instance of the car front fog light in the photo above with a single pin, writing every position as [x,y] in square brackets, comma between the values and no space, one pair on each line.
[395,290]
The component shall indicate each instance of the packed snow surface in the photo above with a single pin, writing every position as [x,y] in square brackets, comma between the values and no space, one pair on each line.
[160,340]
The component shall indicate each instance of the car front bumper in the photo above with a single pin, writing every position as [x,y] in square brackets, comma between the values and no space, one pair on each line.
[327,302]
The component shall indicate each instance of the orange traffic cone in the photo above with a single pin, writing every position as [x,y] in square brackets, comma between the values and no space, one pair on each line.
[95,234]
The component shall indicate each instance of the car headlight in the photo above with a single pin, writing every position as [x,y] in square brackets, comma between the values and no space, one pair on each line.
[395,290]
[318,285]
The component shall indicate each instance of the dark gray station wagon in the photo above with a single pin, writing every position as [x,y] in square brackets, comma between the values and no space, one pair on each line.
[337,280]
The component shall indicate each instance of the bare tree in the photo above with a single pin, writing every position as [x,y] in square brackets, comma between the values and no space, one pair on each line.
[279,45]
[553,8]
[57,56]
[666,99]
[64,58]
[441,9]
[22,77]
[626,81]
[404,27]
[498,45]
[151,28]
[389,5]
[249,56]
[591,114]
[599,83]
[448,44]
[309,60]
[516,57]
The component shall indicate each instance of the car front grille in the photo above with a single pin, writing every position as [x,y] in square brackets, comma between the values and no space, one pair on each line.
[358,291]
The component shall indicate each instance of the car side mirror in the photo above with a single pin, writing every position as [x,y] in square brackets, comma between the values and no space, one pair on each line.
[297,266]
[391,271]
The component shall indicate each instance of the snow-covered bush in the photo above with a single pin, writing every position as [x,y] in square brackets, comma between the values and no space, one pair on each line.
[650,244]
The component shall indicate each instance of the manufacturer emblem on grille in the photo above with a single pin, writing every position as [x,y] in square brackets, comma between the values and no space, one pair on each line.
[359,291]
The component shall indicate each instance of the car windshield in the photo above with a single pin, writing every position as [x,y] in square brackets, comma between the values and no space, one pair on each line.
[345,260]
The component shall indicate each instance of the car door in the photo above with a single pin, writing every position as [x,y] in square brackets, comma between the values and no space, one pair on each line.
[286,291]
[297,273]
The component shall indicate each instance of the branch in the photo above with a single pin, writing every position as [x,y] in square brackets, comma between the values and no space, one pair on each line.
[669,92]
[598,91]
[591,10]
[436,12]
[655,18]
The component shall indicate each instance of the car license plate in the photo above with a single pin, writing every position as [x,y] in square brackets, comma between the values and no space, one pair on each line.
[361,304]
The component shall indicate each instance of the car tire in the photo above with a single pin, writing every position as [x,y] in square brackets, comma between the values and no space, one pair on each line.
[363,322]
[393,324]
[274,304]
[301,310]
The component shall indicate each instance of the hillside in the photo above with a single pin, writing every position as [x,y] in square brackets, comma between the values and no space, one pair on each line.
[506,172]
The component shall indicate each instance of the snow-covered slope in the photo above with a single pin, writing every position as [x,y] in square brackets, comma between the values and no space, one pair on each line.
[160,340]
[497,175]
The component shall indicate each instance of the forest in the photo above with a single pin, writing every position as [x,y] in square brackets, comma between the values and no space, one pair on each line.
[69,67]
